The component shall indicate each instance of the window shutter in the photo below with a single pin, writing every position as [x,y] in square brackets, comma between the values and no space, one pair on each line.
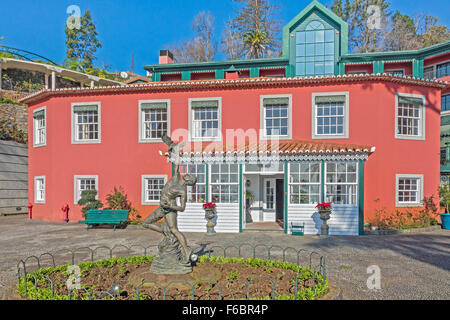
[330,99]
[207,103]
[38,114]
[410,100]
[85,108]
[276,101]
[154,105]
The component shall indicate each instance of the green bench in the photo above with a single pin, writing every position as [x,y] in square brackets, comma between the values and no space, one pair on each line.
[297,228]
[114,217]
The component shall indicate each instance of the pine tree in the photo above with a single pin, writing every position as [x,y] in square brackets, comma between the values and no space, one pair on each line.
[82,44]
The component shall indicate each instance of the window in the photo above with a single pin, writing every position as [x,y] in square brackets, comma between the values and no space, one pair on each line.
[444,156]
[395,73]
[410,117]
[86,122]
[445,103]
[341,185]
[428,73]
[225,183]
[39,127]
[330,115]
[276,116]
[84,183]
[304,183]
[197,193]
[153,120]
[205,122]
[39,189]
[409,190]
[151,188]
[443,70]
[315,50]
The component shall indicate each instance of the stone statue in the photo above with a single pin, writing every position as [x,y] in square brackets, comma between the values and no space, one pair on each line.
[174,254]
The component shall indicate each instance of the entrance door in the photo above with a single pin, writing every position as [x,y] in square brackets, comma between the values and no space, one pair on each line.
[279,202]
[269,206]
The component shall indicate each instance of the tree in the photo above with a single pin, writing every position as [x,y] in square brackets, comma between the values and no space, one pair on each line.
[255,17]
[364,35]
[403,35]
[82,44]
[255,42]
[89,202]
[203,46]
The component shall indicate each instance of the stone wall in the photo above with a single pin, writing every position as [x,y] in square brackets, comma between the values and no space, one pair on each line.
[15,113]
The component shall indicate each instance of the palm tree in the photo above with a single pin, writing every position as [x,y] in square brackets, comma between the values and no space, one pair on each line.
[255,43]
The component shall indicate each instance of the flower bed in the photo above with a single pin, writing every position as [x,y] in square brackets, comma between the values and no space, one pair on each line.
[213,278]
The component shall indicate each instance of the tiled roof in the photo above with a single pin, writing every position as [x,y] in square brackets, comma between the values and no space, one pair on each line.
[233,83]
[274,147]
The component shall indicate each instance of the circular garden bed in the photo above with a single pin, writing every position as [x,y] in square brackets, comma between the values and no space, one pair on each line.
[213,278]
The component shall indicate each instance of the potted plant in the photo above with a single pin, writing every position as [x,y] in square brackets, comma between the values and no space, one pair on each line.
[444,195]
[324,209]
[210,214]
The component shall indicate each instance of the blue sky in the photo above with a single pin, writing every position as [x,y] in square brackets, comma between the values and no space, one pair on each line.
[141,27]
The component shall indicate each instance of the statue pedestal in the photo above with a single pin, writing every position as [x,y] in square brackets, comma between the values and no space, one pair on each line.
[324,228]
[170,258]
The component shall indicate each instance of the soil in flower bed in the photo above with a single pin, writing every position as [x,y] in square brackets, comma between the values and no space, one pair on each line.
[208,281]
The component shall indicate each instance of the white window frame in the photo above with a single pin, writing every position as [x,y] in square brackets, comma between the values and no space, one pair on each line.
[73,123]
[189,188]
[35,127]
[262,124]
[191,118]
[36,199]
[418,203]
[356,204]
[211,183]
[142,139]
[422,122]
[76,192]
[434,66]
[346,126]
[395,70]
[299,183]
[144,200]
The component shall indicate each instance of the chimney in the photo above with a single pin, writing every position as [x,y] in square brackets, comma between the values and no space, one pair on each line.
[165,57]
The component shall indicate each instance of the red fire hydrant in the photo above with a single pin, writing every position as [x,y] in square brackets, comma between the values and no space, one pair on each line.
[65,210]
[30,210]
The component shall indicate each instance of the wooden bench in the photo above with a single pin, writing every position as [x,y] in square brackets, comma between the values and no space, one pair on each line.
[297,228]
[114,217]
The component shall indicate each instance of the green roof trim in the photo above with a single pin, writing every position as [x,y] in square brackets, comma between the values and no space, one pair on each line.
[419,54]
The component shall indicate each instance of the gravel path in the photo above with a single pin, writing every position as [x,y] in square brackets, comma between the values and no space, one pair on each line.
[412,266]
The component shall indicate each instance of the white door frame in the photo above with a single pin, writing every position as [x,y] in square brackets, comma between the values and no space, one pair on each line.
[273,186]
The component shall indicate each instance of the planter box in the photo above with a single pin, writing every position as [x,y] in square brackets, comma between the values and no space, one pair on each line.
[445,219]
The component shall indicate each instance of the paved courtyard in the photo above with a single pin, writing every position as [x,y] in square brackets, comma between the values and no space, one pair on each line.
[413,266]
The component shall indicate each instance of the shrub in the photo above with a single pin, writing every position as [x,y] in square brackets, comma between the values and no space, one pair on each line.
[118,200]
[89,202]
[444,196]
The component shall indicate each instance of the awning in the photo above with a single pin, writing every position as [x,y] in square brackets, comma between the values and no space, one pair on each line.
[270,151]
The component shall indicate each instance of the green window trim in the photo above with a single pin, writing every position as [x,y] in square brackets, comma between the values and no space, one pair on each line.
[85,108]
[402,99]
[205,103]
[154,105]
[331,99]
[275,101]
[38,114]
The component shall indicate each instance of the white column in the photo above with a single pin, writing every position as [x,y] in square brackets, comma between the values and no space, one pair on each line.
[92,83]
[53,80]
[46,80]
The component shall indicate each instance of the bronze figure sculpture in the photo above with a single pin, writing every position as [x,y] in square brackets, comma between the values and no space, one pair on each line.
[174,254]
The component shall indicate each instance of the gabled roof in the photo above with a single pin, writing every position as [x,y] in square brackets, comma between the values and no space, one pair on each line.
[315,6]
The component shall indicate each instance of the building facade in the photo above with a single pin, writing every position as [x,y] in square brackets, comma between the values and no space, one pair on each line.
[268,138]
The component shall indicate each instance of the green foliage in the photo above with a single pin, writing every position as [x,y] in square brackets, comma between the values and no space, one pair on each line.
[118,200]
[42,290]
[89,202]
[409,219]
[444,196]
[82,44]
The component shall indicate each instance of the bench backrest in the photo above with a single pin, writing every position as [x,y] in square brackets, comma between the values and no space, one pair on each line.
[107,215]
